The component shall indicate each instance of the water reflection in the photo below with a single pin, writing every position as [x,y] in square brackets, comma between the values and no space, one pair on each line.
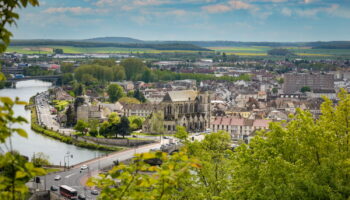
[36,142]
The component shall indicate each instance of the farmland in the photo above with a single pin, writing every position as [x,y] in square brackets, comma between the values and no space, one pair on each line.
[299,51]
[79,50]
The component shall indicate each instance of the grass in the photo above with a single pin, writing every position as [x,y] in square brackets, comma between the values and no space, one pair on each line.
[299,51]
[52,170]
[60,105]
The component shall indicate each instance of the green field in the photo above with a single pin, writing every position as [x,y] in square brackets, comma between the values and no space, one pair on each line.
[78,50]
[300,51]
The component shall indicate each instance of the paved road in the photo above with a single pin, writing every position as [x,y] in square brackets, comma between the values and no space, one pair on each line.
[44,114]
[75,178]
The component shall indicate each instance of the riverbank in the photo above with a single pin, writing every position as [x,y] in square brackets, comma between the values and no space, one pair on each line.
[66,139]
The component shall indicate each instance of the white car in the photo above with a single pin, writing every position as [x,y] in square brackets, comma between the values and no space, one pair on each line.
[57,177]
[83,167]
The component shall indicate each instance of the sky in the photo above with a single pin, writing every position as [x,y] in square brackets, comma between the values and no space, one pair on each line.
[233,20]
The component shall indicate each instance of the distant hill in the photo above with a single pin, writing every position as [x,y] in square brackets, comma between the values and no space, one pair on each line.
[114,40]
[91,44]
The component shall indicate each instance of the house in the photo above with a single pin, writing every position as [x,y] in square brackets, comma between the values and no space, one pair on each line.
[238,127]
[141,110]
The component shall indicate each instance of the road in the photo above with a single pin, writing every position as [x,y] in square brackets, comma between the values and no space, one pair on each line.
[76,179]
[45,117]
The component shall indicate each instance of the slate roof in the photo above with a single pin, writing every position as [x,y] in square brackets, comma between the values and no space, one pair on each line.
[181,95]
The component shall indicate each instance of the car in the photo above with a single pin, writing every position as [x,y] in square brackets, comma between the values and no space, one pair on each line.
[166,137]
[81,197]
[94,192]
[57,177]
[54,188]
[83,167]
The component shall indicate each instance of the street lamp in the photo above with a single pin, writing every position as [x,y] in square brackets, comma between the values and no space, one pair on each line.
[67,155]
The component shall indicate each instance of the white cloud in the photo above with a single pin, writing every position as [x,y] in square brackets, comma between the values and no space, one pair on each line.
[313,12]
[286,12]
[217,8]
[74,10]
[230,5]
[149,2]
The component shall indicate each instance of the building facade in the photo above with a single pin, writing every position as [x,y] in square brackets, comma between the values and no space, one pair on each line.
[239,127]
[295,81]
[188,108]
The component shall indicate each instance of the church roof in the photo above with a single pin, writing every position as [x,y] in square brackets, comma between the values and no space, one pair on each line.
[181,95]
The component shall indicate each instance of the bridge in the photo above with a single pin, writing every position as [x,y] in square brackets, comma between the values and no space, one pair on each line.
[51,78]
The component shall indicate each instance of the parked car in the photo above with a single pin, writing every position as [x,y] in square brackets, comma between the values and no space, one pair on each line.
[94,192]
[81,197]
[57,177]
[83,167]
[54,188]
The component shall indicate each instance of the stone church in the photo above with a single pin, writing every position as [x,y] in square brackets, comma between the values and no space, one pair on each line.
[187,108]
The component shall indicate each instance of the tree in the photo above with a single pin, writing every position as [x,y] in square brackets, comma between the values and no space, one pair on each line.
[81,126]
[78,102]
[139,95]
[40,159]
[157,122]
[181,134]
[70,114]
[305,89]
[115,92]
[147,76]
[8,17]
[124,126]
[67,78]
[133,67]
[78,89]
[88,80]
[118,73]
[274,90]
[15,170]
[67,68]
[306,158]
[58,51]
[136,122]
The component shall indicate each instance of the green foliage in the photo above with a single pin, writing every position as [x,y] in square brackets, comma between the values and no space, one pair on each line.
[134,68]
[124,126]
[115,92]
[58,51]
[274,90]
[140,96]
[305,158]
[36,71]
[81,126]
[136,122]
[60,105]
[66,139]
[40,159]
[67,78]
[181,134]
[93,73]
[67,67]
[8,18]
[164,182]
[15,170]
[305,89]
[279,52]
[129,100]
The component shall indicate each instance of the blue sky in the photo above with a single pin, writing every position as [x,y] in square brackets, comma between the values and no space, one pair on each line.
[235,20]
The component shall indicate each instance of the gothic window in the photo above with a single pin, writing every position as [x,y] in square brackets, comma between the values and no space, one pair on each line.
[186,108]
[191,108]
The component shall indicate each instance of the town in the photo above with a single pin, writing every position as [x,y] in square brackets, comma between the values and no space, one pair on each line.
[174,100]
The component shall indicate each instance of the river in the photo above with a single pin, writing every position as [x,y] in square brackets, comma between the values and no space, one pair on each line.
[56,150]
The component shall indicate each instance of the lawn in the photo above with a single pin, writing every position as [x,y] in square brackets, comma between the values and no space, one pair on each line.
[60,105]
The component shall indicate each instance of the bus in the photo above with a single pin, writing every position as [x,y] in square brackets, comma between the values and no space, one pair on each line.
[68,192]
